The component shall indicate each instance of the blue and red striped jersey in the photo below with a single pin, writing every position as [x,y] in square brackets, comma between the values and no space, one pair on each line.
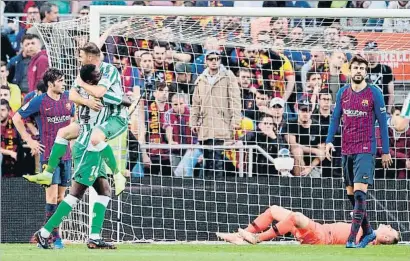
[359,112]
[50,115]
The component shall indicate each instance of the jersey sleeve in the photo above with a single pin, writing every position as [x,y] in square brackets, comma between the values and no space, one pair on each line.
[335,119]
[109,77]
[380,111]
[31,108]
[112,98]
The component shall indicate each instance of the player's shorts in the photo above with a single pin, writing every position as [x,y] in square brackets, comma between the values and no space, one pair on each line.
[358,168]
[113,127]
[85,170]
[313,234]
[62,174]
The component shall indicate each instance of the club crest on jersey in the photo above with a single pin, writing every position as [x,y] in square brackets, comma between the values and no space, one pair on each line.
[365,102]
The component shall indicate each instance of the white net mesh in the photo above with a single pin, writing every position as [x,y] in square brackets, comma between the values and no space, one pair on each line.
[273,58]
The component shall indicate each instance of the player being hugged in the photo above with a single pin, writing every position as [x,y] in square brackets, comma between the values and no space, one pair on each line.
[305,230]
[359,105]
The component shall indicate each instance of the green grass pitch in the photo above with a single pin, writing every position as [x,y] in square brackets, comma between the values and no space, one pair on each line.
[185,252]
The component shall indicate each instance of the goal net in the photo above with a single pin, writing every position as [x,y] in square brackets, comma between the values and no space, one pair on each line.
[286,64]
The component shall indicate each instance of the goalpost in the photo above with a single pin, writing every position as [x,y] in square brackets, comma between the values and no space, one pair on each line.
[167,208]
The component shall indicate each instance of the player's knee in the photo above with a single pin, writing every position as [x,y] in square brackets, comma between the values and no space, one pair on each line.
[96,137]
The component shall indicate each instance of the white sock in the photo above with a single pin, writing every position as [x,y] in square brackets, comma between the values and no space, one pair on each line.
[44,233]
[48,174]
[95,236]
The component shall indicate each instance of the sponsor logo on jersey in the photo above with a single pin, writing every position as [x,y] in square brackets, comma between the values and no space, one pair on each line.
[354,113]
[58,119]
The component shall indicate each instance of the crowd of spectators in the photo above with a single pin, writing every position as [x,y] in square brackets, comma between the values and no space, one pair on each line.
[275,89]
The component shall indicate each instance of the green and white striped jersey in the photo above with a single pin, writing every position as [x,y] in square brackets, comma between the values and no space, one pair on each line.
[111,79]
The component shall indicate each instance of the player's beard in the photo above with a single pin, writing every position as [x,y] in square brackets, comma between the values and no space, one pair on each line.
[358,81]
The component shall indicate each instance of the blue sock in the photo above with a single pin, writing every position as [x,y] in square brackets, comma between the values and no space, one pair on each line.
[367,229]
[359,212]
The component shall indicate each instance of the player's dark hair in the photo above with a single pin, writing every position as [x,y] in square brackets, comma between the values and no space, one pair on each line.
[311,73]
[325,91]
[396,107]
[160,86]
[89,74]
[41,87]
[5,87]
[165,45]
[29,37]
[45,9]
[85,7]
[52,75]
[6,103]
[91,48]
[358,59]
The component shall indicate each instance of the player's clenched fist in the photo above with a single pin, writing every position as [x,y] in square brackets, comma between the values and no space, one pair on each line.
[329,149]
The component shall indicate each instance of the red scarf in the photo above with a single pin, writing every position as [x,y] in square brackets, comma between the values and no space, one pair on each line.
[155,132]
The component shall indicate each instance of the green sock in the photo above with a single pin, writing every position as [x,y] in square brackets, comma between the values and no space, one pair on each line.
[64,208]
[98,215]
[57,151]
[108,156]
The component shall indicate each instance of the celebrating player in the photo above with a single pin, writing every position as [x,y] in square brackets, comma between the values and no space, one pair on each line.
[109,120]
[303,228]
[359,104]
[88,171]
[53,111]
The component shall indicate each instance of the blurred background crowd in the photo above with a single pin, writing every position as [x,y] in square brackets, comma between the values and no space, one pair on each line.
[267,82]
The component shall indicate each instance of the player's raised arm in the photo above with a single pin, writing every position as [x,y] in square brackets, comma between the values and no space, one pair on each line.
[334,123]
[380,111]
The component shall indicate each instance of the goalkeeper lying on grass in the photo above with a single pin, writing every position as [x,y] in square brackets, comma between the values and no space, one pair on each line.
[305,230]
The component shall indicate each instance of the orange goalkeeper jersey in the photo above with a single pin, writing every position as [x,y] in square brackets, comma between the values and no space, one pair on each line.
[326,234]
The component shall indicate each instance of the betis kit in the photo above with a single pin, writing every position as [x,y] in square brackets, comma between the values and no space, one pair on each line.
[112,120]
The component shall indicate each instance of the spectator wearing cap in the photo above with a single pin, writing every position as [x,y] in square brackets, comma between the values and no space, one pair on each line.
[211,43]
[15,93]
[303,136]
[378,74]
[265,136]
[184,82]
[216,110]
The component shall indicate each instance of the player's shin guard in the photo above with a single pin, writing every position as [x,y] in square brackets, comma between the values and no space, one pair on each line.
[106,154]
[57,152]
[100,206]
[64,208]
[358,214]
